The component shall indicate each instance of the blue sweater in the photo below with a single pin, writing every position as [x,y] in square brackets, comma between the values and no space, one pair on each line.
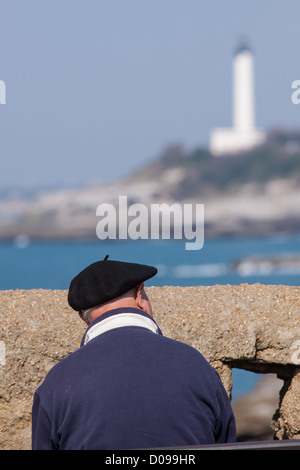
[129,387]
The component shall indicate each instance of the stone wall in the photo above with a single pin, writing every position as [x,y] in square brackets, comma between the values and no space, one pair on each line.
[254,327]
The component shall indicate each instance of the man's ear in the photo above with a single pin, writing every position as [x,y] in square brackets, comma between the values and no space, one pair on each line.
[80,313]
[142,301]
[139,296]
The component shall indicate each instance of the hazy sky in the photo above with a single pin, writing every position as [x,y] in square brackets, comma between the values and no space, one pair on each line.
[94,89]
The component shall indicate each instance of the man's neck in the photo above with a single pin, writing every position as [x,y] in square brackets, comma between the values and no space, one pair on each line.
[122,303]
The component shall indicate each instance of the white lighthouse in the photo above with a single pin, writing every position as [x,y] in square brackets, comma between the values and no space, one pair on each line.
[243,135]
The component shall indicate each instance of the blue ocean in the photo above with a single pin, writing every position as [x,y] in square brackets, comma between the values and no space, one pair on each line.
[51,265]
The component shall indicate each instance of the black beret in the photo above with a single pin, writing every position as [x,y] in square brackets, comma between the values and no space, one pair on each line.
[105,280]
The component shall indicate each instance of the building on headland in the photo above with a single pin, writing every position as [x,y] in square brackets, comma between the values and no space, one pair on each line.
[243,135]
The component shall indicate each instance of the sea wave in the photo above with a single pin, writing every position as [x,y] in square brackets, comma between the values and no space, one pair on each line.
[202,270]
[246,267]
[266,266]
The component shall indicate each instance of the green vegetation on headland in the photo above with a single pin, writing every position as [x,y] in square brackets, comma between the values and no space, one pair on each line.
[202,173]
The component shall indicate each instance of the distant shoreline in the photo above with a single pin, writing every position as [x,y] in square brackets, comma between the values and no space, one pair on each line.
[230,229]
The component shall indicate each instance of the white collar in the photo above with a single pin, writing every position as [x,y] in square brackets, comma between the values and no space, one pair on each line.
[120,320]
